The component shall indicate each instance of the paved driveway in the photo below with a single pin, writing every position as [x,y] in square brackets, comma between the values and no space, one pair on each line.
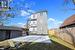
[33,38]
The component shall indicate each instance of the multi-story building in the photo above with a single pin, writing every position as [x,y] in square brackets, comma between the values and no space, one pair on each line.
[38,23]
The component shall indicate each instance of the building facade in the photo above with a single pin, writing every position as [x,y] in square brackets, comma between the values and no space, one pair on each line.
[37,23]
[7,32]
[67,30]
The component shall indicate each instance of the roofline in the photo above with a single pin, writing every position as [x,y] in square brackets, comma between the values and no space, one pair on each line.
[10,28]
[67,26]
[40,11]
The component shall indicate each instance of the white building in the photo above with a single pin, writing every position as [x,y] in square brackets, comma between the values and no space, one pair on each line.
[38,23]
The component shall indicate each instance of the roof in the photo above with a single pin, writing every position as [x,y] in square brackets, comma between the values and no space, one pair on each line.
[10,28]
[69,21]
[40,11]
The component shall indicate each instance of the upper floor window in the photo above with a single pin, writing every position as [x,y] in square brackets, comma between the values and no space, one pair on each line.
[33,22]
[34,16]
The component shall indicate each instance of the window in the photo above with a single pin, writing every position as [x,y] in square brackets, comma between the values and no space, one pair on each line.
[34,16]
[31,16]
[33,29]
[30,29]
[33,23]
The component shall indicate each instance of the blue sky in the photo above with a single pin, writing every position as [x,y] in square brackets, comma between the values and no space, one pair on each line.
[56,12]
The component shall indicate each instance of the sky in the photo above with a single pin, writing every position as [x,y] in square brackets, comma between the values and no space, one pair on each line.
[57,11]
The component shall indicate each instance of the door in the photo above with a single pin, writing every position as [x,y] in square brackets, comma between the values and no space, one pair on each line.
[8,34]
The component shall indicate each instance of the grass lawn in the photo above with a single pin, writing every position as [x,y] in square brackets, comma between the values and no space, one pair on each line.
[43,46]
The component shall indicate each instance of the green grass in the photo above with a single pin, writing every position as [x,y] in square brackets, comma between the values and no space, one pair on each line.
[43,46]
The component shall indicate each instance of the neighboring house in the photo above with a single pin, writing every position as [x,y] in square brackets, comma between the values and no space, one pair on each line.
[68,30]
[69,22]
[8,32]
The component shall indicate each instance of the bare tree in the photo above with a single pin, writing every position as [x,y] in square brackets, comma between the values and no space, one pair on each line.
[14,8]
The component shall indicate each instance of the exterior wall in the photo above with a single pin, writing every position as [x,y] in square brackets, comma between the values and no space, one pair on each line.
[2,35]
[42,23]
[67,34]
[15,34]
[38,23]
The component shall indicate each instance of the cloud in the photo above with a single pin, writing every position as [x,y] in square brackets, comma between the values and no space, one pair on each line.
[53,23]
[31,11]
[24,13]
[21,24]
[30,4]
[27,12]
[51,19]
